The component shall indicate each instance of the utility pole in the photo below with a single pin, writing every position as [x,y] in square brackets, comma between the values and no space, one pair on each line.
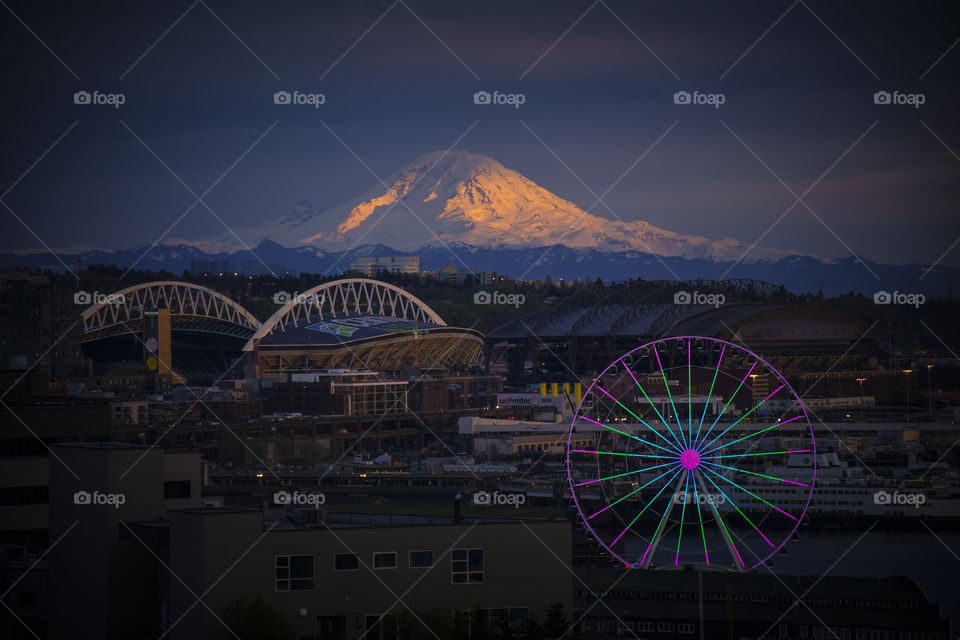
[908,372]
[700,586]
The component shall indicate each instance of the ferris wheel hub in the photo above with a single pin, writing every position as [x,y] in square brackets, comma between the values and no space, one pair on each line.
[690,459]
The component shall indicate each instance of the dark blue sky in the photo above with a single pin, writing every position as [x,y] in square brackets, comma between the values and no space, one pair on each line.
[800,98]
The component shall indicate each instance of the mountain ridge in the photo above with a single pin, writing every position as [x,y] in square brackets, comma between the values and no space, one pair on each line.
[459,196]
[799,274]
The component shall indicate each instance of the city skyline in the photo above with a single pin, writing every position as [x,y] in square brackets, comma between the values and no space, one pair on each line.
[426,320]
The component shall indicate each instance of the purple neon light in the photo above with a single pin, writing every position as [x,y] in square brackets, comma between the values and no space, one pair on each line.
[685,456]
[690,459]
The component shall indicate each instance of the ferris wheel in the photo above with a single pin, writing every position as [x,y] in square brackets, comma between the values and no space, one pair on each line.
[691,450]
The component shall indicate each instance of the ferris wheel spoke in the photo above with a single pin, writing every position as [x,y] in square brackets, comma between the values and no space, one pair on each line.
[747,491]
[723,528]
[621,499]
[683,512]
[732,396]
[617,453]
[754,473]
[626,484]
[659,415]
[647,506]
[709,395]
[755,433]
[745,517]
[703,535]
[628,473]
[689,399]
[762,453]
[629,435]
[744,416]
[655,541]
[641,420]
[666,385]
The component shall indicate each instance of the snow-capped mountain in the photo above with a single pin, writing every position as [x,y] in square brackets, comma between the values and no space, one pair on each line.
[467,198]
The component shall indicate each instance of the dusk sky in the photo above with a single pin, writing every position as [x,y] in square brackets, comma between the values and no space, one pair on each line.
[798,82]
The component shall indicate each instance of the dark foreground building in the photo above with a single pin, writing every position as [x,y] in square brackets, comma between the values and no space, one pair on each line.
[134,555]
[677,604]
[137,565]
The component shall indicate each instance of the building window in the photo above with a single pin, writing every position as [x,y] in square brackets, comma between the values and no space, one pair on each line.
[24,495]
[385,560]
[466,566]
[294,573]
[665,627]
[346,562]
[176,489]
[421,559]
[685,627]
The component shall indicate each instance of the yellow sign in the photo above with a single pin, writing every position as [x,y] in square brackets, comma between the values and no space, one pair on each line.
[152,363]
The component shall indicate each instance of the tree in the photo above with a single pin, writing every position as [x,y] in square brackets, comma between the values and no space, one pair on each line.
[556,623]
[253,618]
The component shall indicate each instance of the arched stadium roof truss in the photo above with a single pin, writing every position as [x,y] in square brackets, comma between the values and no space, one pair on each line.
[349,295]
[192,307]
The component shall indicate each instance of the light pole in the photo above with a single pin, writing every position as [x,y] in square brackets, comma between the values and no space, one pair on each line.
[930,391]
[908,372]
[861,381]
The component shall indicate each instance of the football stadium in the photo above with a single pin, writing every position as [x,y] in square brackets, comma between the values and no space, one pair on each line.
[358,324]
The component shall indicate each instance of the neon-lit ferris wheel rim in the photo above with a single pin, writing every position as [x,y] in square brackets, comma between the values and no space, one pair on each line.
[727,484]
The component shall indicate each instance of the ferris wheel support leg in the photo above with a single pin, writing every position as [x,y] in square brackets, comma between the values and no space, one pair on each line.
[724,534]
[652,549]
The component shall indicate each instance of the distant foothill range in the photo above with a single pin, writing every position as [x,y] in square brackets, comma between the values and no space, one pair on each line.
[469,210]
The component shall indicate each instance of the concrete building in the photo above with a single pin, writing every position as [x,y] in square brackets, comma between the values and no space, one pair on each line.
[102,582]
[133,550]
[717,605]
[375,265]
[337,583]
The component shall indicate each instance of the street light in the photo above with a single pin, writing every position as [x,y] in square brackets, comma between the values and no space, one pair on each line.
[930,391]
